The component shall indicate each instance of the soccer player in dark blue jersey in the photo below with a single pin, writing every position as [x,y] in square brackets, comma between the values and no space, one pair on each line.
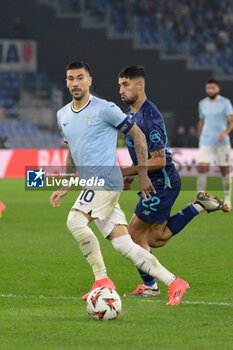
[151,224]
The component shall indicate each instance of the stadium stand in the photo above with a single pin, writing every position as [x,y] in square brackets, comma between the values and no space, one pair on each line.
[201,31]
[24,134]
[30,96]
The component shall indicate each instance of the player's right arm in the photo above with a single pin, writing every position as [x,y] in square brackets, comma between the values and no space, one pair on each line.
[70,168]
[157,160]
[200,126]
[155,163]
[201,117]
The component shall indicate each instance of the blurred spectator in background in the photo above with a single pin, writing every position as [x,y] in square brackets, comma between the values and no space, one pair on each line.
[18,28]
[2,114]
[179,138]
[3,142]
[192,138]
[70,5]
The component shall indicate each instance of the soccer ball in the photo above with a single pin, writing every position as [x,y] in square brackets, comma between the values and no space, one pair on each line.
[103,304]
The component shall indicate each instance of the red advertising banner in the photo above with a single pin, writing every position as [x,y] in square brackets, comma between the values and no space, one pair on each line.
[13,162]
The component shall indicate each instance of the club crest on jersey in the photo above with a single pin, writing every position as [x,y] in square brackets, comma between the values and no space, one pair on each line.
[89,118]
[155,136]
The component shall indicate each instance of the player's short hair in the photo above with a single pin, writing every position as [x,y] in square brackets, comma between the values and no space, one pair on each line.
[78,65]
[132,72]
[213,81]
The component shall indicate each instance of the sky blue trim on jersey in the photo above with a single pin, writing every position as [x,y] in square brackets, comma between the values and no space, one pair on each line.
[167,182]
[125,126]
[166,139]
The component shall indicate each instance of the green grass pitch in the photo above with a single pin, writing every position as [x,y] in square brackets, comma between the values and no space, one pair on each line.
[40,263]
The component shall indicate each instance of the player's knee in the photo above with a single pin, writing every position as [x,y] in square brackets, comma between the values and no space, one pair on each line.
[123,244]
[71,222]
[76,222]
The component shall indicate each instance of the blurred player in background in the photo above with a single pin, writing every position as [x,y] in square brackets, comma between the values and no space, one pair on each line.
[151,224]
[89,126]
[216,122]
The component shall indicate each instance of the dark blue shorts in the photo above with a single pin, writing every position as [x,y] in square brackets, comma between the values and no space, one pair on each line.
[158,207]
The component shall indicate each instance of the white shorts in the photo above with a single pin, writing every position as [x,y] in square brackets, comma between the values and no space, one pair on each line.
[103,207]
[222,154]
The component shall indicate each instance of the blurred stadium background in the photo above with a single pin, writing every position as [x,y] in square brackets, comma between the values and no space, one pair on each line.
[180,43]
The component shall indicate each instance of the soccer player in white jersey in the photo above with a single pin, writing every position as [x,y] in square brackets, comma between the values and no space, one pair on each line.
[89,126]
[216,122]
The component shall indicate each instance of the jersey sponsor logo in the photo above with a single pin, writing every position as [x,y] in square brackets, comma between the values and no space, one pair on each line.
[65,124]
[35,178]
[155,136]
[89,118]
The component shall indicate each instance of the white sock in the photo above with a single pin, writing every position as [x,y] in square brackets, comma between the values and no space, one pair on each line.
[226,182]
[90,248]
[142,259]
[201,182]
[88,243]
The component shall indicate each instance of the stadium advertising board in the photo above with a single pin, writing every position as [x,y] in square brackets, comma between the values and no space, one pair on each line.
[18,55]
[14,162]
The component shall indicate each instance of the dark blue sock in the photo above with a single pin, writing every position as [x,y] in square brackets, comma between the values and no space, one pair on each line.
[177,222]
[147,279]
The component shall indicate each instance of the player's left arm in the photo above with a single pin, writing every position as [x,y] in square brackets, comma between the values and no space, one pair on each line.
[229,128]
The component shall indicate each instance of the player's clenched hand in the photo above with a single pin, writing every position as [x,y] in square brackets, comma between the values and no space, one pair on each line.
[127,182]
[55,198]
[145,186]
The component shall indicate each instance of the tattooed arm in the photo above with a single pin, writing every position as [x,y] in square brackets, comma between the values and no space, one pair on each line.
[70,170]
[157,160]
[155,163]
[142,156]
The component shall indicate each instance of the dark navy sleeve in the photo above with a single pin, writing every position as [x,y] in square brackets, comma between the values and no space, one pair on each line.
[154,133]
[125,126]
